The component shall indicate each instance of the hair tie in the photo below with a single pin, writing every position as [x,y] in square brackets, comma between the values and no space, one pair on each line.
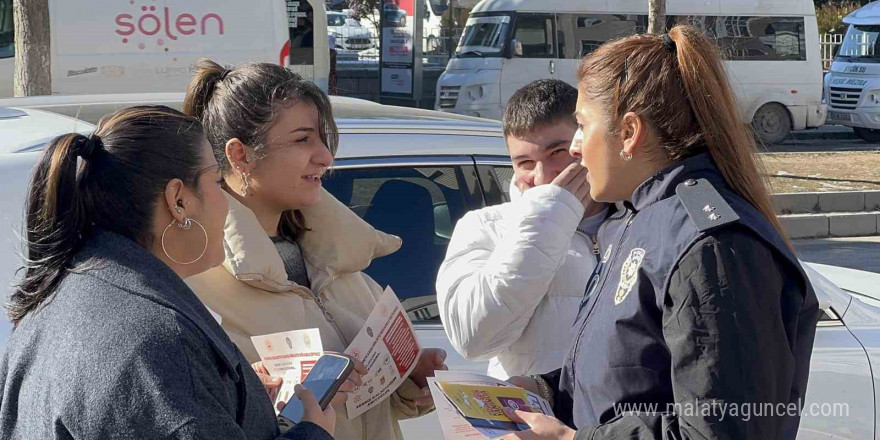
[87,147]
[669,43]
[224,74]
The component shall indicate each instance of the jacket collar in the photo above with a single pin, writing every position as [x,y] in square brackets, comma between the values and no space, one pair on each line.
[123,263]
[662,185]
[338,242]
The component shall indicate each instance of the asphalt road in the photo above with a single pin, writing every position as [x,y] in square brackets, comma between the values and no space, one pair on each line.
[862,253]
[827,138]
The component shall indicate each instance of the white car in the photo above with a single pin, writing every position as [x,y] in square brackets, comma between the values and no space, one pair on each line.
[30,129]
[451,164]
[348,33]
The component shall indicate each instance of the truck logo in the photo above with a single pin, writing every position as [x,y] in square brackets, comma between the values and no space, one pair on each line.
[855,69]
[165,24]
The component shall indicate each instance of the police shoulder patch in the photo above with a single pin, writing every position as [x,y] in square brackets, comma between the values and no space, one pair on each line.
[629,274]
[704,205]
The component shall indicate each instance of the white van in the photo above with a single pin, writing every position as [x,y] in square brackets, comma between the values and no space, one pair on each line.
[134,46]
[772,48]
[852,86]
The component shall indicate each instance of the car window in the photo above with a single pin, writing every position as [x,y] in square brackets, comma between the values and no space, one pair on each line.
[419,204]
[335,20]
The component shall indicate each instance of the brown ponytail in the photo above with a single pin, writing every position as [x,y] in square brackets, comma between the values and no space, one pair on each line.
[125,165]
[678,83]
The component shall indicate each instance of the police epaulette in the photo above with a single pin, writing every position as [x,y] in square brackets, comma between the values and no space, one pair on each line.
[705,206]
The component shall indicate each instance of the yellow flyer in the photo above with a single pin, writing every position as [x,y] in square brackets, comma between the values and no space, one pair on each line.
[485,402]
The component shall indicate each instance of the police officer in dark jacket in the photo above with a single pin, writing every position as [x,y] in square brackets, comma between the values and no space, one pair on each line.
[699,321]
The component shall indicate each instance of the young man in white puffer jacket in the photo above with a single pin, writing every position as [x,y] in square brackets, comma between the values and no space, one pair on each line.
[514,274]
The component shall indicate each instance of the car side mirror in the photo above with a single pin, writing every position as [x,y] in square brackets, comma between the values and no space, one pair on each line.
[516,49]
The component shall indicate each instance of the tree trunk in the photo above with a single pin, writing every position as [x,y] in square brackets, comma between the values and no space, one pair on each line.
[32,55]
[656,16]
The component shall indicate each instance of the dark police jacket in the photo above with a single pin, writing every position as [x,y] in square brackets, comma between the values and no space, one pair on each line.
[698,319]
[125,350]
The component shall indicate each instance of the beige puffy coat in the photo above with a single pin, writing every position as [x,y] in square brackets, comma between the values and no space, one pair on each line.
[253,296]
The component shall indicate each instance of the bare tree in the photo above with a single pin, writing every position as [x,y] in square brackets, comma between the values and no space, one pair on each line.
[656,16]
[32,55]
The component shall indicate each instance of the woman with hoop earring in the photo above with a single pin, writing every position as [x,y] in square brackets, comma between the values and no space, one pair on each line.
[108,341]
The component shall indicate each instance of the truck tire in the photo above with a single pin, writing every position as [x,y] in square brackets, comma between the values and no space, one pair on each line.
[868,135]
[772,123]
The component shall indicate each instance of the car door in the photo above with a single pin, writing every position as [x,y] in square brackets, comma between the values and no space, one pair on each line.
[420,200]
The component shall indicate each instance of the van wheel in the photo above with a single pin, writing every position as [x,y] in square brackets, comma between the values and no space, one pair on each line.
[868,135]
[772,123]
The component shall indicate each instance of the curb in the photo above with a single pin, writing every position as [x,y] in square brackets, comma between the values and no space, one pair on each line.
[826,202]
[850,224]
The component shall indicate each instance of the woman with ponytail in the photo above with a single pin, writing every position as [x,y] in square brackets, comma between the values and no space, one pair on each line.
[699,321]
[294,254]
[108,340]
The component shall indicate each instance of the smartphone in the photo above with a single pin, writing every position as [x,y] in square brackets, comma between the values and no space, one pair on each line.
[324,380]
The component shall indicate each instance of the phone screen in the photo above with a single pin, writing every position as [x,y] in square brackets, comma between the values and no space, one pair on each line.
[321,382]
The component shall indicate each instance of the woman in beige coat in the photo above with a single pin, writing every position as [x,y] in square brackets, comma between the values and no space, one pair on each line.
[294,254]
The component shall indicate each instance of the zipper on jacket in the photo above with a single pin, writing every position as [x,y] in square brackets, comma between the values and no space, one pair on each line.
[593,289]
[332,320]
[594,244]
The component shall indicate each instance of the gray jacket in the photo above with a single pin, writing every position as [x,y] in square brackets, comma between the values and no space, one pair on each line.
[125,350]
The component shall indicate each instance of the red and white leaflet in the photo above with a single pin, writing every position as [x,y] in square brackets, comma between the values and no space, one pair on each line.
[289,355]
[387,346]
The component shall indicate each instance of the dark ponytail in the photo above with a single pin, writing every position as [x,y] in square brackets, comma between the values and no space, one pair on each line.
[125,167]
[243,103]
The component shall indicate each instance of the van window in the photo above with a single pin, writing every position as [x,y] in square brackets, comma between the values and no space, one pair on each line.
[301,26]
[7,30]
[753,38]
[741,38]
[483,36]
[535,32]
[419,204]
[580,34]
[860,43]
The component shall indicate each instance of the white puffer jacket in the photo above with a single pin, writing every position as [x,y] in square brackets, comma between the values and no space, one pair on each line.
[513,278]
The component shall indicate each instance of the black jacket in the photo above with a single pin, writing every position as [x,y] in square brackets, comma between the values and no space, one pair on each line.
[125,350]
[698,323]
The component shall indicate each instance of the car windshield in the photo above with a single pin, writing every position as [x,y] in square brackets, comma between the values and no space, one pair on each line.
[484,36]
[860,43]
[335,20]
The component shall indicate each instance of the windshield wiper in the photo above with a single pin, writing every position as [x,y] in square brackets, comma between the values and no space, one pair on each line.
[478,53]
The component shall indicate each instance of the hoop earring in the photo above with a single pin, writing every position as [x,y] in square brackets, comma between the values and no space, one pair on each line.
[245,183]
[187,224]
[625,156]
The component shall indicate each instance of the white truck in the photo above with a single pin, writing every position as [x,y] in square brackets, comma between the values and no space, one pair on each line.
[137,46]
[852,85]
[771,48]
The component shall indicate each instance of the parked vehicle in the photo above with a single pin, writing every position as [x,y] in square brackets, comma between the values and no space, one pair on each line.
[30,130]
[414,173]
[394,16]
[771,47]
[109,46]
[852,85]
[348,33]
